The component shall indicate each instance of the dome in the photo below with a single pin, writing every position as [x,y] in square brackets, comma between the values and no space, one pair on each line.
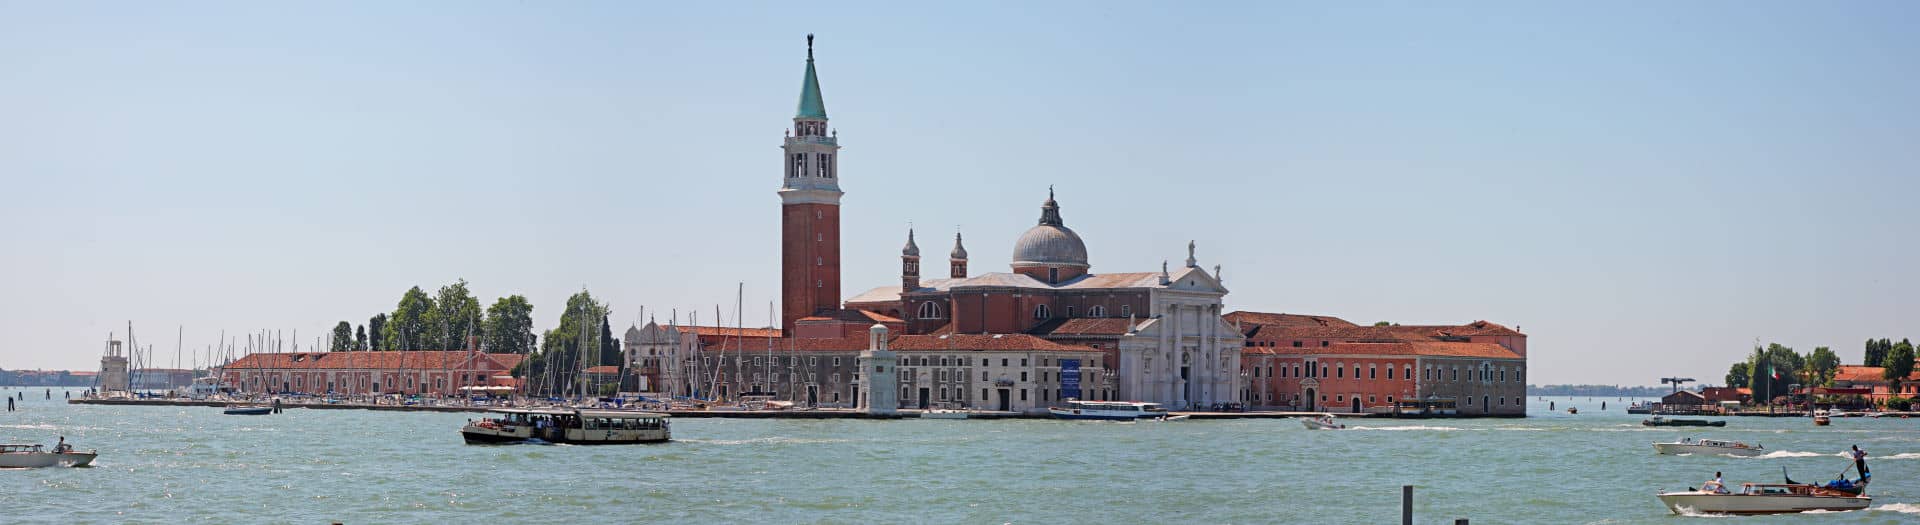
[1050,243]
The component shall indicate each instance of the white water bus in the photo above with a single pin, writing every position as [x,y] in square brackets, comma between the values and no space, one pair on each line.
[1108,410]
[569,425]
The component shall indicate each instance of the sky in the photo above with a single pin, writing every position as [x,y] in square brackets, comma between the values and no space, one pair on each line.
[1646,189]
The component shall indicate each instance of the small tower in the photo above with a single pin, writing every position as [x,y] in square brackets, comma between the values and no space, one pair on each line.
[957,259]
[877,375]
[910,265]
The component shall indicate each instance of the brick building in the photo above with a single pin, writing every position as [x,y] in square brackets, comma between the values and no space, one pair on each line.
[1309,362]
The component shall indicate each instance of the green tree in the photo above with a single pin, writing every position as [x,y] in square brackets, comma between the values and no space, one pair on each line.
[1877,351]
[560,358]
[456,315]
[508,328]
[360,338]
[409,327]
[1899,362]
[342,337]
[1774,370]
[1822,364]
[1739,374]
[377,332]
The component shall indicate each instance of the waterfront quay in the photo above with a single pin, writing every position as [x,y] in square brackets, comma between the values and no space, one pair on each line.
[816,413]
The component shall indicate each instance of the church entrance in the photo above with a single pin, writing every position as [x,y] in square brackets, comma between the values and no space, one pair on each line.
[1186,386]
[1006,401]
[1310,400]
[923,397]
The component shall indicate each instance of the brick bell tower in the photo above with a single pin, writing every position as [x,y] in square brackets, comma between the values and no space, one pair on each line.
[809,210]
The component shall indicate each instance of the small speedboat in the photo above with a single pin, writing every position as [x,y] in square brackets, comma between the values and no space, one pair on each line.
[1821,418]
[1664,421]
[1763,498]
[245,410]
[1322,422]
[33,456]
[943,413]
[1709,446]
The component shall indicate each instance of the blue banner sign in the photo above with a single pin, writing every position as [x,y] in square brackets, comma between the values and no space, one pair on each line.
[1070,378]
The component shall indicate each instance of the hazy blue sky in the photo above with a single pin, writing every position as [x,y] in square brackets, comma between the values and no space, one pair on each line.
[1644,188]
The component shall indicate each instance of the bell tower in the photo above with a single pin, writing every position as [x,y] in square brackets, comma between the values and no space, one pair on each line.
[809,209]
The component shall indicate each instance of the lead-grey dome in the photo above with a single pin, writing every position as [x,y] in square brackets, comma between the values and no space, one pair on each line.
[1050,243]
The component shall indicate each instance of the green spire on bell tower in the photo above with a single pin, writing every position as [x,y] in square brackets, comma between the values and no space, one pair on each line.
[811,105]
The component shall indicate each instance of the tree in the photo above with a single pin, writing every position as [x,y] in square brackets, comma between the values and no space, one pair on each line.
[1822,364]
[360,338]
[408,328]
[508,328]
[1877,352]
[1739,374]
[609,347]
[342,337]
[1899,363]
[1773,371]
[456,315]
[377,331]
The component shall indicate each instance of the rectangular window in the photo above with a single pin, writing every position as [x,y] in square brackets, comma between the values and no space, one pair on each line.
[1389,372]
[983,376]
[1126,310]
[1023,361]
[1069,310]
[1023,377]
[836,361]
[1003,361]
[1023,394]
[1372,373]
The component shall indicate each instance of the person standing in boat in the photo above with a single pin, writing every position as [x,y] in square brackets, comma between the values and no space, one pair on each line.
[1860,462]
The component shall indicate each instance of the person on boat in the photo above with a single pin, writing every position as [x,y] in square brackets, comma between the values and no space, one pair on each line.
[62,447]
[1860,463]
[1714,485]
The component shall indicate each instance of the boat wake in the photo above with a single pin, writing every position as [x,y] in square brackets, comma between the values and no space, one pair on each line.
[1691,513]
[1414,427]
[1903,508]
[1902,455]
[766,441]
[1788,454]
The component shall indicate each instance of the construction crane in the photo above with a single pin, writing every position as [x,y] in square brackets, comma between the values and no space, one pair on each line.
[1676,381]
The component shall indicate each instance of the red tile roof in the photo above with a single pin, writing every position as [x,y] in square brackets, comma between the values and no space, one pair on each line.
[426,359]
[605,370]
[1288,320]
[1082,326]
[1405,348]
[729,331]
[1858,374]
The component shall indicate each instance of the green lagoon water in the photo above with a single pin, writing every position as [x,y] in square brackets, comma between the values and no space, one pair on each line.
[193,464]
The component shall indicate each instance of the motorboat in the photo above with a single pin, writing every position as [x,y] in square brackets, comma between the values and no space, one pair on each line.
[246,410]
[1322,422]
[1822,418]
[1574,411]
[1108,410]
[35,456]
[1763,498]
[568,425]
[943,413]
[1664,421]
[1709,446]
[1640,408]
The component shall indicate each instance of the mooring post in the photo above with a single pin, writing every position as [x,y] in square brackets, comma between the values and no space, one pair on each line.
[1406,505]
[1461,521]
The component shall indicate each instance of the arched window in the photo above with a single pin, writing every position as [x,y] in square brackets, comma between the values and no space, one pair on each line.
[1340,370]
[1041,312]
[1373,371]
[1097,311]
[929,310]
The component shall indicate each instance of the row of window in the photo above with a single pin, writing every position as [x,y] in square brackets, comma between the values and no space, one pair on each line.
[932,310]
[1486,372]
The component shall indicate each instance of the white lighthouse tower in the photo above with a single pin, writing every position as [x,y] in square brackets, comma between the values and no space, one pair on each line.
[877,375]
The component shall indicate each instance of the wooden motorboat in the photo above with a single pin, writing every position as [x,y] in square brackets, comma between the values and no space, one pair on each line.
[1821,418]
[34,456]
[1761,498]
[1322,422]
[1664,421]
[1709,446]
[568,425]
[248,410]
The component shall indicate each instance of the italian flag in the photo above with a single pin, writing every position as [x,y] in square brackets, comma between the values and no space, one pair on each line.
[1773,372]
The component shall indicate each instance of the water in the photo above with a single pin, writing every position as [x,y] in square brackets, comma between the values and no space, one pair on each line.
[192,464]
